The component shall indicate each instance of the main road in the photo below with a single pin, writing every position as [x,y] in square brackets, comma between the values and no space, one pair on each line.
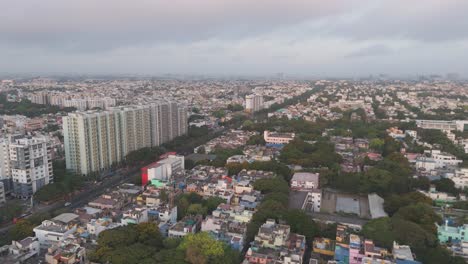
[91,192]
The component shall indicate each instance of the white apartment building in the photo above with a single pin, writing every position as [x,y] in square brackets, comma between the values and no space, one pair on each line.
[460,125]
[460,178]
[277,138]
[78,103]
[437,160]
[25,164]
[95,140]
[253,103]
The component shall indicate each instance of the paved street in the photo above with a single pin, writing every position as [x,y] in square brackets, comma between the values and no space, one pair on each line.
[83,197]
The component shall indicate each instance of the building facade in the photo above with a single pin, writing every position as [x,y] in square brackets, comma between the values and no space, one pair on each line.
[2,193]
[25,164]
[253,103]
[95,140]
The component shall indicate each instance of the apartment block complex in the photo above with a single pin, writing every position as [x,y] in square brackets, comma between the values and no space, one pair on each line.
[95,140]
[69,101]
[25,164]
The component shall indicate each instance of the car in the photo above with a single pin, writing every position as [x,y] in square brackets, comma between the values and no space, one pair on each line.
[67,204]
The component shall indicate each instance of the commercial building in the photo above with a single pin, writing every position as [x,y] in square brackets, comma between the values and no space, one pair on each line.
[25,164]
[162,170]
[253,103]
[95,140]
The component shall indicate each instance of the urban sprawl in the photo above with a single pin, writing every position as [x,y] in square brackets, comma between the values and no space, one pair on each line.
[160,170]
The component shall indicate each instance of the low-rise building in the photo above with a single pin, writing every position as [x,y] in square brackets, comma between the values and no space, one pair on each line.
[56,229]
[20,251]
[450,234]
[460,178]
[96,226]
[275,243]
[277,138]
[305,181]
[135,216]
[324,246]
[402,252]
[66,252]
[188,225]
[435,159]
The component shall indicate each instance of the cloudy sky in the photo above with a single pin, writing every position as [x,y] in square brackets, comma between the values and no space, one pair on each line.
[232,37]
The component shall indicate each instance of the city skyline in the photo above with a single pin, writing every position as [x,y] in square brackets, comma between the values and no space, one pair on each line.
[225,38]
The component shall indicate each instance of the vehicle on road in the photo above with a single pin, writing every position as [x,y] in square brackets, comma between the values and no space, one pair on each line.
[67,204]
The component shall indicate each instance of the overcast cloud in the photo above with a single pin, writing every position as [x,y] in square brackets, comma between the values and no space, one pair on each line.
[251,37]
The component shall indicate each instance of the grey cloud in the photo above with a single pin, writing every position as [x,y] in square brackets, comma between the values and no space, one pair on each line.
[87,25]
[373,50]
[426,21]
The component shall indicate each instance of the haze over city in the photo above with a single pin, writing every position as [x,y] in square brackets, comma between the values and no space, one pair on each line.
[234,132]
[209,37]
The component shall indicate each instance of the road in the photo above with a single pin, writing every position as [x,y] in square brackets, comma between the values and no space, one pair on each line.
[83,197]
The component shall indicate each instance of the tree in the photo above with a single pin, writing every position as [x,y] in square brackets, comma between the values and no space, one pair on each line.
[420,183]
[201,248]
[256,140]
[302,223]
[196,209]
[271,185]
[219,113]
[201,150]
[446,185]
[10,211]
[380,230]
[394,202]
[421,214]
[212,203]
[376,144]
[22,229]
[412,234]
[376,180]
[235,107]
[132,244]
[400,170]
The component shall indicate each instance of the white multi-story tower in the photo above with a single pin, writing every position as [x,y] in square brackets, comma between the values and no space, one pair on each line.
[253,103]
[90,140]
[30,164]
[95,140]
